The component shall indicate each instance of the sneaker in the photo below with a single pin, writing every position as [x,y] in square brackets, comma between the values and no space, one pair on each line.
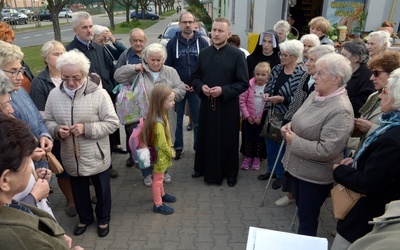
[284,201]
[167,178]
[246,163]
[163,209]
[256,164]
[113,173]
[168,198]
[178,154]
[148,181]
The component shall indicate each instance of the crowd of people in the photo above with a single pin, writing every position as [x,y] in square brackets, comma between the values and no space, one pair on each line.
[317,114]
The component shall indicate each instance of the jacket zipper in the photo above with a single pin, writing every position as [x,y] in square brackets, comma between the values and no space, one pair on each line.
[73,137]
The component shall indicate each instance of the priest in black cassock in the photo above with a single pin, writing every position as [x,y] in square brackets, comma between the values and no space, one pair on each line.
[219,77]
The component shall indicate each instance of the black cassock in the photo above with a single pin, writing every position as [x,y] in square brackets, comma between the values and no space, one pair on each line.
[217,147]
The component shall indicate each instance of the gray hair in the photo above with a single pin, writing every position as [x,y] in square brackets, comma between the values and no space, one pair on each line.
[357,48]
[134,30]
[49,46]
[99,29]
[9,53]
[74,57]
[77,16]
[321,50]
[293,47]
[311,37]
[383,38]
[393,88]
[337,65]
[283,25]
[6,85]
[154,47]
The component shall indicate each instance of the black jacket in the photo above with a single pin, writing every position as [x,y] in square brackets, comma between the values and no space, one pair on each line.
[100,62]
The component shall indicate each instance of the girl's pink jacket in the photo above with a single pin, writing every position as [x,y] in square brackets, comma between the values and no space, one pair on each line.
[246,101]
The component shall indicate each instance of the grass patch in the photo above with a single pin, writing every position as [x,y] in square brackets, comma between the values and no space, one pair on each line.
[125,28]
[169,13]
[33,58]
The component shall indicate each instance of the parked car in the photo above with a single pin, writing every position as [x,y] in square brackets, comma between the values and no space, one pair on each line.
[16,18]
[43,15]
[171,30]
[26,12]
[147,15]
[65,13]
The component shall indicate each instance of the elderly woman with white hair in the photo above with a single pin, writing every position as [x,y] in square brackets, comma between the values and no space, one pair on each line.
[102,35]
[282,28]
[374,172]
[154,72]
[316,138]
[309,41]
[81,115]
[378,41]
[279,93]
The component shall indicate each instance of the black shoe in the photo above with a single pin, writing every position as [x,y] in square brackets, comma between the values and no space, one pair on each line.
[80,230]
[103,232]
[178,154]
[113,173]
[277,183]
[129,162]
[263,177]
[232,181]
[120,150]
[197,175]
[189,127]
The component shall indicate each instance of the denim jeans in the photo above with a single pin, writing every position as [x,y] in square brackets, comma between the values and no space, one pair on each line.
[194,104]
[272,153]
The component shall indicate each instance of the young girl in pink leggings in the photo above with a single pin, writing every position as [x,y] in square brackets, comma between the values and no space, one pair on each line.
[156,133]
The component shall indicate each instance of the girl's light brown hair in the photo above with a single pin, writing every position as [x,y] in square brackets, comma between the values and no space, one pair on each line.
[158,96]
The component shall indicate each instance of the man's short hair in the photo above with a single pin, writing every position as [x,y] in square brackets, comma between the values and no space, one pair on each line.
[235,40]
[222,20]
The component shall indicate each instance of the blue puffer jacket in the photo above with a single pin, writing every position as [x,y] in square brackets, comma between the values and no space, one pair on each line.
[182,54]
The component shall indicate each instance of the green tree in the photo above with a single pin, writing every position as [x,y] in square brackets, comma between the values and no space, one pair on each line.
[55,9]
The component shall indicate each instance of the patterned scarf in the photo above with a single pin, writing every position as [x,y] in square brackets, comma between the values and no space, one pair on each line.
[387,121]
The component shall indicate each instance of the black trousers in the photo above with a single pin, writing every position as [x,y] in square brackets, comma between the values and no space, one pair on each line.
[81,192]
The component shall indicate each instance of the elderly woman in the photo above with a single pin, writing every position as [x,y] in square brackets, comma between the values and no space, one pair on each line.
[7,35]
[309,41]
[279,93]
[102,35]
[320,26]
[37,190]
[381,66]
[266,51]
[154,72]
[378,42]
[282,28]
[316,138]
[374,171]
[24,108]
[81,114]
[305,88]
[41,86]
[22,225]
[359,86]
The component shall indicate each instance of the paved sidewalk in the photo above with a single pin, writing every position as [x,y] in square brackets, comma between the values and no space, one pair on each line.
[206,216]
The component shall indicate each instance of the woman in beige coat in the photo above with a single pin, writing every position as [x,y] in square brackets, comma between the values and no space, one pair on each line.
[81,115]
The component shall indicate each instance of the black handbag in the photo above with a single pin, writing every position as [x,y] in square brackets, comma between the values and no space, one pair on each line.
[272,126]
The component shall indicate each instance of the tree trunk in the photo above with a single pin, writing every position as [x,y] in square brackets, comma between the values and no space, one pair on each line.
[56,26]
[127,13]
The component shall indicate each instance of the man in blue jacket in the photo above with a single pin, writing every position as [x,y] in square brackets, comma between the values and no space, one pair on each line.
[183,50]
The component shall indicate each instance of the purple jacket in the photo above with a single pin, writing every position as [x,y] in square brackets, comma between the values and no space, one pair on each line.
[246,102]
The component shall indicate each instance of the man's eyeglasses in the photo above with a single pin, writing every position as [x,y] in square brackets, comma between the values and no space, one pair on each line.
[187,22]
[14,73]
[376,73]
[281,55]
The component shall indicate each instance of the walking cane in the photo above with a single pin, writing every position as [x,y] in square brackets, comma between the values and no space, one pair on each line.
[291,227]
[272,172]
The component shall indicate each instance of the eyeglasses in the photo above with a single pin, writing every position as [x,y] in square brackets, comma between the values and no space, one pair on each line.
[74,79]
[376,73]
[14,73]
[321,73]
[283,55]
[187,22]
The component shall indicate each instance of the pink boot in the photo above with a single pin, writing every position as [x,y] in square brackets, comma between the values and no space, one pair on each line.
[256,164]
[246,163]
